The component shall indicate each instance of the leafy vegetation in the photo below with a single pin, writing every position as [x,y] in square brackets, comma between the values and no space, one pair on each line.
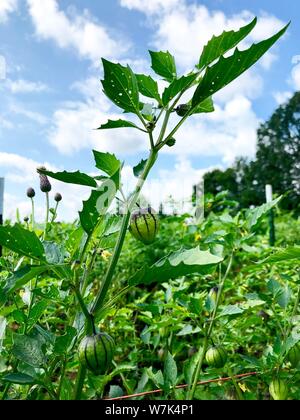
[90,311]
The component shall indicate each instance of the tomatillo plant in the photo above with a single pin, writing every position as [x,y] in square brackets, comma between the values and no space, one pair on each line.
[159,117]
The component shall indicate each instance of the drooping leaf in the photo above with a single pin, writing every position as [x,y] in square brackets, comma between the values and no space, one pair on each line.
[118,124]
[19,378]
[228,69]
[21,241]
[176,265]
[55,253]
[138,169]
[254,216]
[121,87]
[62,343]
[148,87]
[89,214]
[28,350]
[291,253]
[36,312]
[219,45]
[21,277]
[77,178]
[170,371]
[163,64]
[178,86]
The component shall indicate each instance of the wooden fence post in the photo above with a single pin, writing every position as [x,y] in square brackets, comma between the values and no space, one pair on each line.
[269,199]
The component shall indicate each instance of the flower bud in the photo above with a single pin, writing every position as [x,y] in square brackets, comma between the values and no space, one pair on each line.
[30,193]
[58,197]
[182,110]
[171,142]
[26,219]
[45,185]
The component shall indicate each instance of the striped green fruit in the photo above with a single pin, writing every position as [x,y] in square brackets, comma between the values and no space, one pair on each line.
[144,225]
[216,357]
[96,352]
[278,389]
[293,356]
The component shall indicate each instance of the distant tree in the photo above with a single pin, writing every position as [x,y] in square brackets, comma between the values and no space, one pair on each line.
[277,162]
[278,153]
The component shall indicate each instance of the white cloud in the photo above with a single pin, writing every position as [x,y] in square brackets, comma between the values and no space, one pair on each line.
[150,7]
[74,125]
[282,97]
[36,117]
[25,86]
[296,77]
[227,133]
[79,32]
[7,7]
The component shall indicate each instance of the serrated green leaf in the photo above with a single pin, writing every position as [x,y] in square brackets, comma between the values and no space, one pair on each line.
[205,107]
[231,310]
[76,178]
[148,87]
[121,87]
[118,124]
[107,162]
[219,45]
[228,69]
[254,216]
[176,265]
[138,169]
[21,241]
[163,64]
[178,86]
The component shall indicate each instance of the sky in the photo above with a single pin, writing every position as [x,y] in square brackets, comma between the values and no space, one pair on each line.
[52,100]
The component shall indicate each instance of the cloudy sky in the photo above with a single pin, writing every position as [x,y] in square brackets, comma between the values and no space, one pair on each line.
[51,98]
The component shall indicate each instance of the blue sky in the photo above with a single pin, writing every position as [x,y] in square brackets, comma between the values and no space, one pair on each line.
[51,96]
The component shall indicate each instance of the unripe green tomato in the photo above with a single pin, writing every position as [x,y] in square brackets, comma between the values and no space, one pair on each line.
[96,352]
[293,356]
[144,225]
[216,357]
[278,389]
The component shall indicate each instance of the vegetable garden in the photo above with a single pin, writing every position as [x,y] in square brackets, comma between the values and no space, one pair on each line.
[139,305]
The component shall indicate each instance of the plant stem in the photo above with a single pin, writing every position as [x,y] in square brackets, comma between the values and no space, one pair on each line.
[55,213]
[79,384]
[47,215]
[32,214]
[203,350]
[117,251]
[236,386]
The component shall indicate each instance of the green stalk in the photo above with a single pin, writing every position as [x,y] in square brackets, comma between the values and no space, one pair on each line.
[126,218]
[32,214]
[55,213]
[47,215]
[236,386]
[203,350]
[79,384]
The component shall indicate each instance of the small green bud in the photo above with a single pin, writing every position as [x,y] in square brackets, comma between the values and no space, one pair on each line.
[171,142]
[26,219]
[183,109]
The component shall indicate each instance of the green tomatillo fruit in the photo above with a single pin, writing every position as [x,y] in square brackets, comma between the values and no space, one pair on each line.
[96,352]
[182,110]
[216,357]
[144,225]
[293,356]
[278,389]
